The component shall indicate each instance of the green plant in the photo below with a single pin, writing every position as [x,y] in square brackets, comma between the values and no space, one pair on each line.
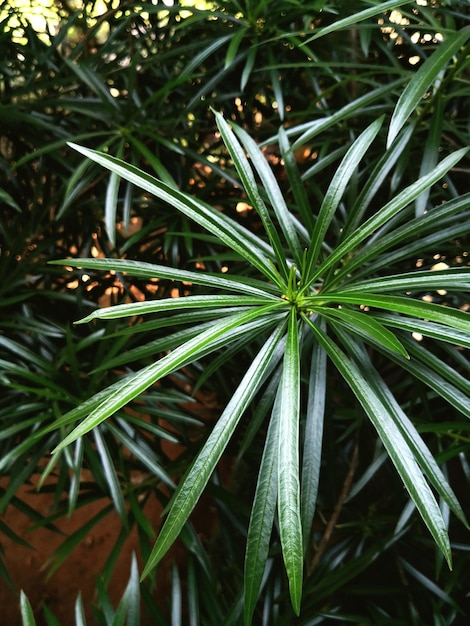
[315,287]
[332,216]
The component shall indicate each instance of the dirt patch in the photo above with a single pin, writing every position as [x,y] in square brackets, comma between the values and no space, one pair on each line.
[26,566]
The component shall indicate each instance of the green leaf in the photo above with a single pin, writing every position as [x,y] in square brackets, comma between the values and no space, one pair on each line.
[110,474]
[422,454]
[455,318]
[453,278]
[386,213]
[356,17]
[233,46]
[273,192]
[150,271]
[171,304]
[431,151]
[79,612]
[111,199]
[333,197]
[398,449]
[225,229]
[220,334]
[249,185]
[27,615]
[312,438]
[290,526]
[367,325]
[302,201]
[192,485]
[423,78]
[262,517]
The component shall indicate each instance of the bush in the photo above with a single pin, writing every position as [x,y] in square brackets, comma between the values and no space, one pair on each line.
[286,179]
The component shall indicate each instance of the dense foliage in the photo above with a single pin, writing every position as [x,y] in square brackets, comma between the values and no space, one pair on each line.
[263,211]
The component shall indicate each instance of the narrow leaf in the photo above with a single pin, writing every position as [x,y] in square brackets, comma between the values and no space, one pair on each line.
[290,526]
[335,192]
[368,326]
[189,491]
[262,518]
[392,208]
[225,229]
[150,271]
[398,450]
[213,338]
[312,440]
[423,78]
[455,318]
[249,184]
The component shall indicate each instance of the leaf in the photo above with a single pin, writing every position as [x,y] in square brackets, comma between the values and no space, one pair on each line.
[312,439]
[206,342]
[398,449]
[247,178]
[262,517]
[431,151]
[111,199]
[109,471]
[366,325]
[385,214]
[290,526]
[192,485]
[423,78]
[333,197]
[422,454]
[453,278]
[226,230]
[273,192]
[170,304]
[302,201]
[27,615]
[455,318]
[141,269]
[356,17]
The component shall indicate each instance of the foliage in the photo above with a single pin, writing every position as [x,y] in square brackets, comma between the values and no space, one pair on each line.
[301,231]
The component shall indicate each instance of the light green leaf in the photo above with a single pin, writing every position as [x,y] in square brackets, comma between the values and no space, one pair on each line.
[27,615]
[190,489]
[423,78]
[290,526]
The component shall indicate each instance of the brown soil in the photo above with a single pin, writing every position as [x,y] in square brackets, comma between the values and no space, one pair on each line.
[26,566]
